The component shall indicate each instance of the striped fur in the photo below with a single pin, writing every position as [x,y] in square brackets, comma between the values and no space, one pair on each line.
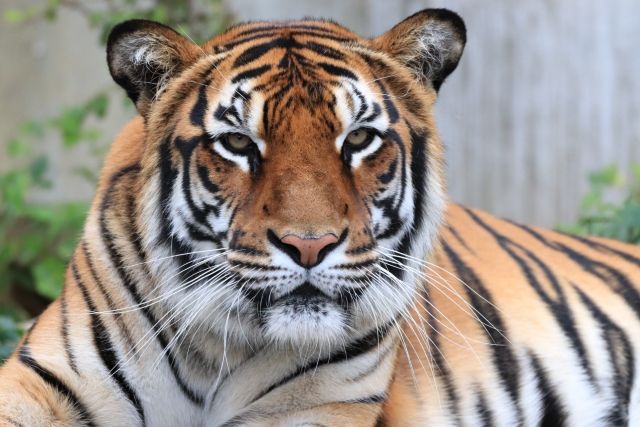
[182,306]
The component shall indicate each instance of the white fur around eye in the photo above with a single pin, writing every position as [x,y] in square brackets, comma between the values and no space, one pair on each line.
[238,159]
[358,156]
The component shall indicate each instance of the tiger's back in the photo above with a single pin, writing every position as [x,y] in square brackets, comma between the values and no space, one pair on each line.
[522,326]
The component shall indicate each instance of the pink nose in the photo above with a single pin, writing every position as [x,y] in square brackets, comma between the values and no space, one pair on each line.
[309,249]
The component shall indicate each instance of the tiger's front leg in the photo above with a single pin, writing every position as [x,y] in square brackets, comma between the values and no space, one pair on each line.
[274,388]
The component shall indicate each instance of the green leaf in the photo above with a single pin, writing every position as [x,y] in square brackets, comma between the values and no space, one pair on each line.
[16,16]
[99,105]
[18,148]
[49,277]
[38,168]
[608,176]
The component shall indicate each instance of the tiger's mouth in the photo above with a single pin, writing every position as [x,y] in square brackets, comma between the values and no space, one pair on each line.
[306,292]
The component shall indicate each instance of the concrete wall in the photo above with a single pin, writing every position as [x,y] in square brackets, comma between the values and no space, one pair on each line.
[546,91]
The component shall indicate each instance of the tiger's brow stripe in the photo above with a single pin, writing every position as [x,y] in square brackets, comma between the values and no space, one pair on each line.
[621,356]
[251,73]
[49,378]
[337,71]
[289,26]
[294,33]
[183,91]
[200,107]
[559,308]
[390,106]
[117,260]
[496,331]
[105,348]
[64,315]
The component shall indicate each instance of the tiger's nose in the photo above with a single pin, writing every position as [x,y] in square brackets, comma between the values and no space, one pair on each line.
[308,252]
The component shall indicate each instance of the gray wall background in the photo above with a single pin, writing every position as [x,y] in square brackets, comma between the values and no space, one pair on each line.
[546,92]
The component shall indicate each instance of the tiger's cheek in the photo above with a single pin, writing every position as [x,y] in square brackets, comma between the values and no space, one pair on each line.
[223,183]
[377,173]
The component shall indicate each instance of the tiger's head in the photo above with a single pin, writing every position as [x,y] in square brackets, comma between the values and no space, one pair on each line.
[285,165]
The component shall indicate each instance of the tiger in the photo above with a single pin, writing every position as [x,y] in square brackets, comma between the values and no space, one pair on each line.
[271,244]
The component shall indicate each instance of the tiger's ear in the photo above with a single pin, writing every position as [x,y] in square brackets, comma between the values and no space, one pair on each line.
[429,42]
[143,56]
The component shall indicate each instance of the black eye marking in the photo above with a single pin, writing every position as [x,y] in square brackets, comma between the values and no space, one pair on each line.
[239,144]
[358,140]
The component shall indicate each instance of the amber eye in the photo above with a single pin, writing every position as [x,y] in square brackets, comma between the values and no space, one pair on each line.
[237,142]
[359,137]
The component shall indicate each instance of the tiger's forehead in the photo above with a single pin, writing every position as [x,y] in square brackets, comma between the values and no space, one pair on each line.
[256,31]
[304,67]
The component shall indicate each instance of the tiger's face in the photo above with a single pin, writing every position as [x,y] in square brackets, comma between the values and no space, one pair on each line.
[283,163]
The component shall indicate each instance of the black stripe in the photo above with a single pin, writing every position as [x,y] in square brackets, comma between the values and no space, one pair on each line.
[301,32]
[621,356]
[274,28]
[599,269]
[392,111]
[200,107]
[336,71]
[24,355]
[605,248]
[118,262]
[110,304]
[386,177]
[391,206]
[374,366]
[186,147]
[504,359]
[483,410]
[255,52]
[324,50]
[253,265]
[351,351]
[105,348]
[369,400]
[459,238]
[251,73]
[354,265]
[442,368]
[64,315]
[554,414]
[559,307]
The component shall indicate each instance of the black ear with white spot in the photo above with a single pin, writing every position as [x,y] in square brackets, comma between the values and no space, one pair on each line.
[429,42]
[143,56]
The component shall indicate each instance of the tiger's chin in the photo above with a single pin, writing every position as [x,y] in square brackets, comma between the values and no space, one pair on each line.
[315,325]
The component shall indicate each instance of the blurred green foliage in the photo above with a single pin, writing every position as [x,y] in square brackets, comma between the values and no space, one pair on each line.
[39,238]
[600,216]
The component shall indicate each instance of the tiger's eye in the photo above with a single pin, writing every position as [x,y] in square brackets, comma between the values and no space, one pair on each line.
[358,137]
[238,141]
